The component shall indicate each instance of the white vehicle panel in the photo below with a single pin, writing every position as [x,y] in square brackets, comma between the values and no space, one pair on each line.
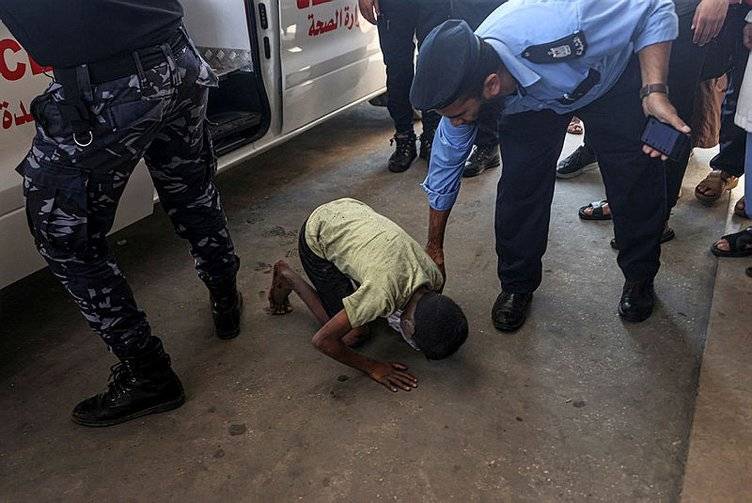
[330,57]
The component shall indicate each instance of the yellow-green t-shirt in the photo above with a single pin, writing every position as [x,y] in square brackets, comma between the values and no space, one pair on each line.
[374,252]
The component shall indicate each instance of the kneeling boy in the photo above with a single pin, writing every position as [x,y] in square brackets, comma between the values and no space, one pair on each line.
[364,266]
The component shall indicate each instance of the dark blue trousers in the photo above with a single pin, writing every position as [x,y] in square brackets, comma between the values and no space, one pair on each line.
[635,184]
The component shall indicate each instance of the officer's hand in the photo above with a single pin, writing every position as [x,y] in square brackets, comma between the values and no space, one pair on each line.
[708,20]
[748,36]
[658,105]
[369,9]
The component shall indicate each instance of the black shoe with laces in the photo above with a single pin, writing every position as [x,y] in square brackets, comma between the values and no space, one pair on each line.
[426,142]
[576,163]
[404,152]
[637,300]
[482,158]
[227,306]
[138,386]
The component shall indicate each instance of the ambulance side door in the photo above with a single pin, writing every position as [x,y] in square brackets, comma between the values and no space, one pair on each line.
[330,58]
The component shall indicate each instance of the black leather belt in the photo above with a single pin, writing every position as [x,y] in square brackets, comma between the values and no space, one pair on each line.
[126,64]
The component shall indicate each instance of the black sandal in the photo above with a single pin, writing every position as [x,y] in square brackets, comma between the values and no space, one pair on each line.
[668,235]
[740,244]
[597,213]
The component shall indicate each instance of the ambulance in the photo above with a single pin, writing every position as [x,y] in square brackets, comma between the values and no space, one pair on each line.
[284,66]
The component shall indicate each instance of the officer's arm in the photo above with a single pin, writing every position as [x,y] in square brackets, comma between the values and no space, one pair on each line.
[451,147]
[654,69]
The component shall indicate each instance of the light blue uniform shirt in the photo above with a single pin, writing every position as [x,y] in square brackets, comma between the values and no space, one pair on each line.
[614,30]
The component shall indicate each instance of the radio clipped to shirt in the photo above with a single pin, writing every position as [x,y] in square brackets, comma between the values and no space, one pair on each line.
[666,139]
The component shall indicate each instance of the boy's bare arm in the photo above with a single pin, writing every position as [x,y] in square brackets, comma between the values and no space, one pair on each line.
[329,340]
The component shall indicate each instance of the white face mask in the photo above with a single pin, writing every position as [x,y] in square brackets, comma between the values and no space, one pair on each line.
[395,321]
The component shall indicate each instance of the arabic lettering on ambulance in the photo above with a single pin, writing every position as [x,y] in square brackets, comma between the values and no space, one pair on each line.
[343,19]
[10,118]
[304,4]
[11,65]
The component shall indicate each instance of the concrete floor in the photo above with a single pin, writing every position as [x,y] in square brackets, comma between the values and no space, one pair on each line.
[576,406]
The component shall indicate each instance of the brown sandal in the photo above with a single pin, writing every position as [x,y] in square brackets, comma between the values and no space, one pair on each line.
[717,183]
[740,209]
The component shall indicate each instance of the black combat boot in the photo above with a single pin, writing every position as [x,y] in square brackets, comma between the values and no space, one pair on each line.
[138,386]
[426,142]
[405,152]
[226,306]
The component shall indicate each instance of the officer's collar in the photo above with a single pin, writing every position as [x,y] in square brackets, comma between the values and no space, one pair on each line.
[521,73]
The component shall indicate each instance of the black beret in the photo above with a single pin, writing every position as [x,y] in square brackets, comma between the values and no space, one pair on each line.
[447,56]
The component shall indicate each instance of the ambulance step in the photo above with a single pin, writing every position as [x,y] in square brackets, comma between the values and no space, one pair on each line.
[230,130]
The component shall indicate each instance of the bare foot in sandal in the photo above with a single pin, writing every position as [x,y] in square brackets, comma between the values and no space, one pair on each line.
[597,210]
[575,126]
[738,244]
[709,190]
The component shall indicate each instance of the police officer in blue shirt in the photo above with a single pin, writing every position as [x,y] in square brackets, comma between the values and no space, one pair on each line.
[543,62]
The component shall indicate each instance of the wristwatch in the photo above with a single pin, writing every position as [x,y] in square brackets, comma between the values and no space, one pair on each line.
[653,88]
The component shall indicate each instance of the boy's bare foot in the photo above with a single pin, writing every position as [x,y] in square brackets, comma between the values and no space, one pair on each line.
[279,293]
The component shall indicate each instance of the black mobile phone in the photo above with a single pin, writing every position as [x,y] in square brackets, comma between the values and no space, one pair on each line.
[666,139]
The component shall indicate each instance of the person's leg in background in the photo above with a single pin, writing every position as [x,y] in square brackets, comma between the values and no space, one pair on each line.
[431,13]
[728,165]
[530,145]
[396,25]
[685,72]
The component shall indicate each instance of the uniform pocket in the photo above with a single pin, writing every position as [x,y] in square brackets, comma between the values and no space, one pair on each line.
[56,208]
[130,114]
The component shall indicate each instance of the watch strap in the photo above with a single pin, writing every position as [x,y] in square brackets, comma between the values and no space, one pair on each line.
[653,88]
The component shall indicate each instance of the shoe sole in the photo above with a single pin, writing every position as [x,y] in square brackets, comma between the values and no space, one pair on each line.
[588,167]
[480,172]
[225,336]
[632,318]
[156,409]
[508,328]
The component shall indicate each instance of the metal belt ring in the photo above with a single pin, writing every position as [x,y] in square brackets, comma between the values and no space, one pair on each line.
[82,145]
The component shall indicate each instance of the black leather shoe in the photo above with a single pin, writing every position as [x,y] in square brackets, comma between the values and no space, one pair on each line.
[576,163]
[426,142]
[637,300]
[510,310]
[482,158]
[227,306]
[404,153]
[138,387]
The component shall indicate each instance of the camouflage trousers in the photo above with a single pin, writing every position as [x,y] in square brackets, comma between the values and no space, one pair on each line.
[72,192]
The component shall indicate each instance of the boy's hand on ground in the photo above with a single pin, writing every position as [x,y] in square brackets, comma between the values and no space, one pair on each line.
[393,375]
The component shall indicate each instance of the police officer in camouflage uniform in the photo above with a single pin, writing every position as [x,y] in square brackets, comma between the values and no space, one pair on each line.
[128,85]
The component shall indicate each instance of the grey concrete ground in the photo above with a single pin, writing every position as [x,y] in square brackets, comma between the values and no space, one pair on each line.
[719,463]
[576,406]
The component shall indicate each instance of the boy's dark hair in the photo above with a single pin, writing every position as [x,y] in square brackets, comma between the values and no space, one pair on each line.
[440,326]
[488,63]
